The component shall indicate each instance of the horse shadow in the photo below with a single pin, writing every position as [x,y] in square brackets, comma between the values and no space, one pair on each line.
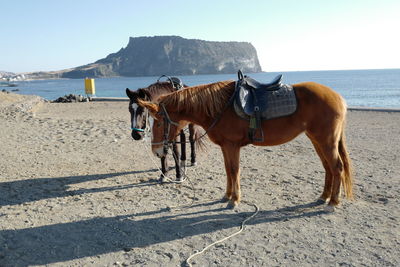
[96,236]
[29,190]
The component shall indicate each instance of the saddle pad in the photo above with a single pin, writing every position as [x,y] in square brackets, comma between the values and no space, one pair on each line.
[279,103]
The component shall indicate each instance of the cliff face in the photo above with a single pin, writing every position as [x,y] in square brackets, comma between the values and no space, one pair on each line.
[172,55]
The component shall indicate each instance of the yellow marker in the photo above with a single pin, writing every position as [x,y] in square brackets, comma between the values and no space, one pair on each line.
[89,87]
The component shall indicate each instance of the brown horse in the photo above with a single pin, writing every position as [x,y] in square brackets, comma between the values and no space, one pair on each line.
[321,114]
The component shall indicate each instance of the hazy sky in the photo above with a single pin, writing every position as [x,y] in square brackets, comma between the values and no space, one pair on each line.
[288,34]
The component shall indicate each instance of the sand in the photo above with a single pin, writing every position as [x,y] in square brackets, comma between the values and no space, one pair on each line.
[76,190]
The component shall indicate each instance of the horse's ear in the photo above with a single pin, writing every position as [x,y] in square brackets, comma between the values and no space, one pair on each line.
[142,94]
[152,107]
[129,93]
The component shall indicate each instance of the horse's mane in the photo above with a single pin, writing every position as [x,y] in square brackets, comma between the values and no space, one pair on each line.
[209,99]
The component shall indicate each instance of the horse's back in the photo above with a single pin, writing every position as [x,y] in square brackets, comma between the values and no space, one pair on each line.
[321,109]
[319,97]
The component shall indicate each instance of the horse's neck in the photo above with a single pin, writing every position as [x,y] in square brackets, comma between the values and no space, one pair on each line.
[194,117]
[155,94]
[201,118]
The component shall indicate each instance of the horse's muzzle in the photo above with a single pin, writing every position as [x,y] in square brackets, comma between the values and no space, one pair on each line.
[136,135]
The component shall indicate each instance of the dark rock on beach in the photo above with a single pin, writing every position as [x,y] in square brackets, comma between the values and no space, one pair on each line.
[71,98]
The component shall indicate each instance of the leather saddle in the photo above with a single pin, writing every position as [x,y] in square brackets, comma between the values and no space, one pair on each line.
[255,101]
[251,94]
[175,81]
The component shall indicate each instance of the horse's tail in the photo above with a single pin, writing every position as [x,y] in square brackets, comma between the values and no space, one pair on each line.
[347,178]
[200,138]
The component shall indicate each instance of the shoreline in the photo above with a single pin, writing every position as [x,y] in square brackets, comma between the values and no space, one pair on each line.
[361,88]
[119,99]
[355,108]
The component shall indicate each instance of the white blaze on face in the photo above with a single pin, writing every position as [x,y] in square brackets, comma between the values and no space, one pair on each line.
[134,110]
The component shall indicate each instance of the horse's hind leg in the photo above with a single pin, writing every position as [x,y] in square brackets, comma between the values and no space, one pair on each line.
[330,151]
[192,145]
[337,169]
[326,194]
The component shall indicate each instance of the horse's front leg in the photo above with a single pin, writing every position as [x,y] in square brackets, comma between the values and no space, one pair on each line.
[231,154]
[175,154]
[183,152]
[164,168]
[192,145]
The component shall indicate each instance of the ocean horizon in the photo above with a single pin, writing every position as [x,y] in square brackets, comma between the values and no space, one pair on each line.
[376,88]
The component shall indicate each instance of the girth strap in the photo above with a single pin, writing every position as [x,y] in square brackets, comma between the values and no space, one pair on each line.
[255,119]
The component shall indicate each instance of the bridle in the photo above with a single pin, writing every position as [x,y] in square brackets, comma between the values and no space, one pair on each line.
[167,129]
[176,84]
[145,116]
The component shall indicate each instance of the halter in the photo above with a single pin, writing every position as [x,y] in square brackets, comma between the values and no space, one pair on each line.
[167,128]
[147,126]
[176,84]
[137,129]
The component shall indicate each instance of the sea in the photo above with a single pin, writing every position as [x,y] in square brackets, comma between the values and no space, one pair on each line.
[361,88]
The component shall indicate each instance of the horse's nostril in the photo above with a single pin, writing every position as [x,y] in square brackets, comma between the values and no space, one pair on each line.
[136,135]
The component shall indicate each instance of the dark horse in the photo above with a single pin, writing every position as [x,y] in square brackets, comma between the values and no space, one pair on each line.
[321,115]
[140,120]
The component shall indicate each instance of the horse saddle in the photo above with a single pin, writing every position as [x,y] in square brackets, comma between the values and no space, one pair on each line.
[175,81]
[255,101]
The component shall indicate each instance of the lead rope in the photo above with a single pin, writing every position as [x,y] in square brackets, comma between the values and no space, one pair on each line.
[242,227]
[181,207]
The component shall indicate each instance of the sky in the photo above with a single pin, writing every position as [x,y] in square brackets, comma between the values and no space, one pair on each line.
[289,35]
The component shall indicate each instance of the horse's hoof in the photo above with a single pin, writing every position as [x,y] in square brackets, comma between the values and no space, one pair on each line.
[193,164]
[330,208]
[320,201]
[179,179]
[183,165]
[225,199]
[232,205]
[162,179]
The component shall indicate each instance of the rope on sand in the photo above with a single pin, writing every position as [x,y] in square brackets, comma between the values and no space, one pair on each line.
[242,226]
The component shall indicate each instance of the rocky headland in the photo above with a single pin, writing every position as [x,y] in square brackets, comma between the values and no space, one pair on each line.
[174,55]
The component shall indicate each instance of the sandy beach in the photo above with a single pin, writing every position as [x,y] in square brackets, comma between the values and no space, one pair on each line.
[76,190]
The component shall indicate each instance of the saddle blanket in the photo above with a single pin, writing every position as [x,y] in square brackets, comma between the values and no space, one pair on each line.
[280,103]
